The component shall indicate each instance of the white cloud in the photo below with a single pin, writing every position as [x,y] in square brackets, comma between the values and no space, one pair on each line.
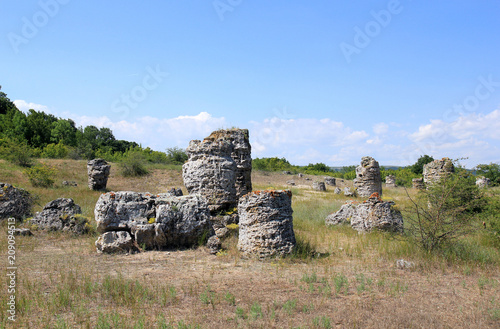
[25,106]
[380,128]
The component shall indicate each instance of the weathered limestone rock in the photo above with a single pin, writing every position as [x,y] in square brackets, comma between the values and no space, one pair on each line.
[98,172]
[433,171]
[266,224]
[69,183]
[300,175]
[368,179]
[155,221]
[286,172]
[343,215]
[418,183]
[290,182]
[482,182]
[175,191]
[14,202]
[319,186]
[211,172]
[214,244]
[61,215]
[116,242]
[375,213]
[22,231]
[348,192]
[337,190]
[390,181]
[330,181]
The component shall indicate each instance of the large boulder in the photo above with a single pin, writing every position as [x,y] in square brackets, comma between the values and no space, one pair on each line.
[266,224]
[483,182]
[116,242]
[319,186]
[435,170]
[98,171]
[330,181]
[155,221]
[343,215]
[375,213]
[219,168]
[61,215]
[368,179]
[14,202]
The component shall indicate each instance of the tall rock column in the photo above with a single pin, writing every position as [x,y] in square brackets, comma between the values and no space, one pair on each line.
[98,171]
[368,179]
[433,171]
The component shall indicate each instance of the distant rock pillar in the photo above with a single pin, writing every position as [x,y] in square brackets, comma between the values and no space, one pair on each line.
[368,179]
[390,181]
[418,183]
[435,170]
[98,171]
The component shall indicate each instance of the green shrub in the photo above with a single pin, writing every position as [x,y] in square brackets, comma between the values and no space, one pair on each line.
[17,153]
[55,151]
[445,211]
[41,175]
[134,164]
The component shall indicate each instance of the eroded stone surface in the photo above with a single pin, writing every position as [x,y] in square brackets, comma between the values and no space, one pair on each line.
[418,183]
[61,215]
[98,171]
[483,182]
[330,181]
[435,170]
[390,181]
[266,224]
[348,192]
[375,213]
[343,215]
[319,186]
[116,242]
[14,202]
[368,179]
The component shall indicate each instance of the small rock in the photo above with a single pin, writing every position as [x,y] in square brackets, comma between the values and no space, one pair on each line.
[14,202]
[22,231]
[403,264]
[116,242]
[330,181]
[213,244]
[337,190]
[319,186]
[300,175]
[348,192]
[286,172]
[69,183]
[290,182]
[175,191]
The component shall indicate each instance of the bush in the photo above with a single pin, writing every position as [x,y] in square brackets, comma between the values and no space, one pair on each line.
[176,155]
[17,153]
[55,151]
[445,211]
[134,164]
[41,175]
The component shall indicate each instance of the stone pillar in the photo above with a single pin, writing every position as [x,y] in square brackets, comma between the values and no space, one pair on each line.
[98,172]
[266,224]
[482,182]
[319,186]
[330,181]
[418,183]
[390,181]
[433,171]
[368,180]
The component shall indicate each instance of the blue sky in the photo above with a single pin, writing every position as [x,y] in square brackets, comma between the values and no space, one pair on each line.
[313,81]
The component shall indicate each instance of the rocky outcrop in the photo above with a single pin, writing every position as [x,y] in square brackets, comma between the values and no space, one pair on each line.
[116,242]
[482,182]
[330,181]
[61,215]
[343,215]
[418,183]
[266,224]
[155,221]
[390,181]
[319,186]
[435,170]
[368,179]
[98,171]
[373,213]
[14,202]
[348,192]
[175,191]
[337,190]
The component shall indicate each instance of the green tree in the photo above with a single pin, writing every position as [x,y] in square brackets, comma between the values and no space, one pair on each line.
[491,171]
[39,128]
[176,155]
[5,103]
[64,131]
[418,167]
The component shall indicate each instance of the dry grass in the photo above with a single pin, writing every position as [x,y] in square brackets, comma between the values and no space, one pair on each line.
[63,283]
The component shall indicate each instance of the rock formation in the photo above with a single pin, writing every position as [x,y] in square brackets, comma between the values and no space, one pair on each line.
[330,181]
[418,183]
[368,178]
[337,190]
[266,224]
[155,221]
[219,168]
[373,213]
[61,215]
[348,192]
[116,242]
[390,181]
[435,170]
[482,182]
[98,172]
[14,202]
[319,186]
